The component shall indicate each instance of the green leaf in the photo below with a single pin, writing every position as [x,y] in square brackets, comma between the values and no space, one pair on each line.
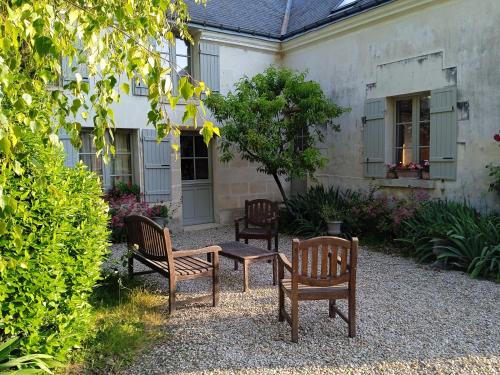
[27,98]
[125,87]
[186,88]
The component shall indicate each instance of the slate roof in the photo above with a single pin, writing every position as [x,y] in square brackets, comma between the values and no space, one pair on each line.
[265,17]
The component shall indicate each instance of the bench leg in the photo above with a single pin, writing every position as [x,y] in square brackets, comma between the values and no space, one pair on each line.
[171,299]
[236,265]
[352,314]
[245,276]
[331,308]
[295,319]
[281,297]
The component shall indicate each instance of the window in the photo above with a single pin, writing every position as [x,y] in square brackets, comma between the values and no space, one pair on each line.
[178,57]
[120,166]
[412,133]
[194,158]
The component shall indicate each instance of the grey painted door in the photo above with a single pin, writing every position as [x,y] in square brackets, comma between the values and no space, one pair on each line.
[196,168]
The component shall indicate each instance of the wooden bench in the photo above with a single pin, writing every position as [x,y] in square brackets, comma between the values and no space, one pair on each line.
[150,244]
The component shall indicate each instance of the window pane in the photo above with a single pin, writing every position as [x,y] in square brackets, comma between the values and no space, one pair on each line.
[201,169]
[122,143]
[181,47]
[425,113]
[201,149]
[187,169]
[87,143]
[181,66]
[403,111]
[187,146]
[93,163]
[423,154]
[404,143]
[425,131]
[126,179]
[121,164]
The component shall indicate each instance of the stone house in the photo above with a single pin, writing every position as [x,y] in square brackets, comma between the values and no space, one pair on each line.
[422,79]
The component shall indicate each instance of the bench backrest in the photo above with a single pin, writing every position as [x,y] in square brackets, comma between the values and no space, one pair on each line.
[152,241]
[324,261]
[261,212]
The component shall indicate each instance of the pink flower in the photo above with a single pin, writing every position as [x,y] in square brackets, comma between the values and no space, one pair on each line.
[496,137]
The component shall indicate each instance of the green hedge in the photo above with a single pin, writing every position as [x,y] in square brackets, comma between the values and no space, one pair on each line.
[52,245]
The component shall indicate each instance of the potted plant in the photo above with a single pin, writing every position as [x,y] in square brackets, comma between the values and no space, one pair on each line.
[391,171]
[160,214]
[333,218]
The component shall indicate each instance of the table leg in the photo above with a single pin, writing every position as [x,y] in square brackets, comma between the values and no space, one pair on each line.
[245,276]
[275,266]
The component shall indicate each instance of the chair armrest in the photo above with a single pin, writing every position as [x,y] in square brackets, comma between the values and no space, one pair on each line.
[283,261]
[204,250]
[240,219]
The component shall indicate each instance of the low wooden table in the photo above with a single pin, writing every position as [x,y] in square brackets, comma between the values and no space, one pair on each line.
[247,254]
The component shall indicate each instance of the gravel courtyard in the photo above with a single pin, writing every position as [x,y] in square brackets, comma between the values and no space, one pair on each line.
[411,320]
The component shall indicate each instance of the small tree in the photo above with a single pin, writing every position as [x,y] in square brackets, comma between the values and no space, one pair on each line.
[275,120]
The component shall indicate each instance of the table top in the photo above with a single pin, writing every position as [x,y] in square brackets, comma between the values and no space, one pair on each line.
[240,250]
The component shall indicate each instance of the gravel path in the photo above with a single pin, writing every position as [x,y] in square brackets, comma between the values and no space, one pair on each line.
[411,320]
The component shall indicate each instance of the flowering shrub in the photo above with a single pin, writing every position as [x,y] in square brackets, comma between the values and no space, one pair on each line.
[120,207]
[124,188]
[161,210]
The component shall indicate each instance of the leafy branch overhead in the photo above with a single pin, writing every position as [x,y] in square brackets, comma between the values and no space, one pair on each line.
[275,120]
[116,40]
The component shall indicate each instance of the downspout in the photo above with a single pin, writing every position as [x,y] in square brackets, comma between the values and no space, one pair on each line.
[286,18]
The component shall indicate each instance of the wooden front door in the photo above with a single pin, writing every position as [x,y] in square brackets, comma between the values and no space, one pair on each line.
[196,170]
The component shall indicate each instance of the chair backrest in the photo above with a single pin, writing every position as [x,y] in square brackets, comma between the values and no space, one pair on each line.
[324,261]
[152,241]
[261,212]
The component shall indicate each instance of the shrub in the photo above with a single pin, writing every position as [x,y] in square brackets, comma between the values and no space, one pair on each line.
[456,235]
[53,236]
[121,206]
[122,188]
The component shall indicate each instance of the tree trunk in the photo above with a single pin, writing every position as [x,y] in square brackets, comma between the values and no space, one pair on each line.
[280,187]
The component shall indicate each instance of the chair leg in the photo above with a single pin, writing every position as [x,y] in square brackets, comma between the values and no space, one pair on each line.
[269,243]
[352,314]
[235,265]
[171,299]
[331,308]
[276,243]
[275,270]
[245,276]
[246,241]
[215,282]
[295,319]
[281,298]
[130,267]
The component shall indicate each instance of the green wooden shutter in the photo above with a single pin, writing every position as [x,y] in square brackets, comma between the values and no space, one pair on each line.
[70,152]
[157,167]
[443,142]
[209,65]
[373,138]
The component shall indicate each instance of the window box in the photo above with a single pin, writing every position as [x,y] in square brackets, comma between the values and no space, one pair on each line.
[408,173]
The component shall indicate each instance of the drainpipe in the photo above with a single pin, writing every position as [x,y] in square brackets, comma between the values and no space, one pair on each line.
[286,18]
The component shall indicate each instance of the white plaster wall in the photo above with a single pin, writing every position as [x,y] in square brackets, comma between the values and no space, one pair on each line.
[239,180]
[461,33]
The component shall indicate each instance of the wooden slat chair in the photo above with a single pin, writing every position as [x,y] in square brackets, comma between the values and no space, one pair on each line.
[151,245]
[323,268]
[260,222]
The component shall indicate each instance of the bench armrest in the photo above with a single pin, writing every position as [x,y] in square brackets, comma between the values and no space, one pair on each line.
[204,250]
[283,261]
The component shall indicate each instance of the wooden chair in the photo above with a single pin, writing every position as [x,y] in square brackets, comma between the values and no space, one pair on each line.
[323,268]
[151,245]
[260,222]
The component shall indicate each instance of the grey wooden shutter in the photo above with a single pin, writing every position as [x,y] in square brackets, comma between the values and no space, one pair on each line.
[209,65]
[443,142]
[71,154]
[157,167]
[373,138]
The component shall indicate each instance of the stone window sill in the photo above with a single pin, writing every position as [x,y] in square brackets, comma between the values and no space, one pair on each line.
[410,183]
